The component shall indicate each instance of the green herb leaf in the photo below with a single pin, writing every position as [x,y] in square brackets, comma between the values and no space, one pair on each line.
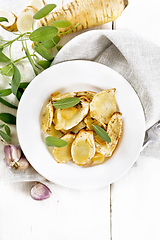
[7,70]
[29,57]
[4,102]
[3,57]
[3,19]
[51,42]
[61,23]
[5,92]
[55,142]
[24,84]
[44,11]
[8,131]
[8,118]
[44,64]
[15,79]
[102,133]
[5,136]
[59,48]
[41,50]
[1,126]
[43,33]
[19,93]
[66,102]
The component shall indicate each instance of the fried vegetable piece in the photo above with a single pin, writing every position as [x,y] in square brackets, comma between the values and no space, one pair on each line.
[63,154]
[83,148]
[88,94]
[114,130]
[11,25]
[91,121]
[103,105]
[88,13]
[47,117]
[53,132]
[69,118]
[98,158]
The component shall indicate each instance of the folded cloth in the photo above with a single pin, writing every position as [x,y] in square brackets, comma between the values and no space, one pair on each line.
[135,58]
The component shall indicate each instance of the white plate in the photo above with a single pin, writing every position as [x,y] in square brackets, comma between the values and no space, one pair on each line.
[75,76]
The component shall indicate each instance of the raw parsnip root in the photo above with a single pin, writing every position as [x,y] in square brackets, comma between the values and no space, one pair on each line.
[89,13]
[25,19]
[38,4]
[11,25]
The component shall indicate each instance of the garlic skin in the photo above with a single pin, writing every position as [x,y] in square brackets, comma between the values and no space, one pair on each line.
[39,191]
[12,154]
[23,163]
[15,158]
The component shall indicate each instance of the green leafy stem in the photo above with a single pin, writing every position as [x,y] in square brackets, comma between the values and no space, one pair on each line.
[44,39]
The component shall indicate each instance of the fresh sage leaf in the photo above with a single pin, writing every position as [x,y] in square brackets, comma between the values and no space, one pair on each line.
[3,57]
[102,133]
[7,71]
[44,63]
[59,48]
[24,84]
[4,102]
[8,131]
[30,58]
[51,42]
[19,93]
[15,79]
[55,142]
[66,102]
[43,33]
[8,118]
[5,92]
[1,126]
[61,23]
[41,50]
[3,19]
[44,11]
[5,136]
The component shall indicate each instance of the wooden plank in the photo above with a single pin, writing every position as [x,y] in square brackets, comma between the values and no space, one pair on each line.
[135,202]
[68,214]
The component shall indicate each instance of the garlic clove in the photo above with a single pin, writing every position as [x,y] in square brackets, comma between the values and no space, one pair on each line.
[15,152]
[23,163]
[12,154]
[39,191]
[8,157]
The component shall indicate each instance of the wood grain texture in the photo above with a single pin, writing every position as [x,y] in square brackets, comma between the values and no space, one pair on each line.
[67,214]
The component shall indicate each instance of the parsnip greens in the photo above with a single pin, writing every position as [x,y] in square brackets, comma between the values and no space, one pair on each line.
[43,38]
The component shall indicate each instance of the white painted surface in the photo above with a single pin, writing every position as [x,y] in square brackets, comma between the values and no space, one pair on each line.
[71,214]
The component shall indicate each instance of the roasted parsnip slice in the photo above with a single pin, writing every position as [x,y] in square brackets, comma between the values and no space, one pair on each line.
[83,148]
[47,117]
[103,105]
[63,154]
[114,130]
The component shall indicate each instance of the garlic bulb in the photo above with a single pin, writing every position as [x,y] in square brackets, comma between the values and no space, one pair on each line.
[39,191]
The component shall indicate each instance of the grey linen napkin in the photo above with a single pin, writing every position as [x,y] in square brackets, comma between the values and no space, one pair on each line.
[135,58]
